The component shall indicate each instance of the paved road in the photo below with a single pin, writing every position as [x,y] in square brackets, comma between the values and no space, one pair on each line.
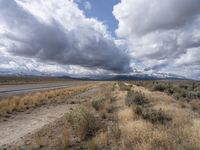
[22,89]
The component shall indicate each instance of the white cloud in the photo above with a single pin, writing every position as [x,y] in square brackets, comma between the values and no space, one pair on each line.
[87,5]
[58,32]
[191,57]
[56,37]
[160,33]
[140,17]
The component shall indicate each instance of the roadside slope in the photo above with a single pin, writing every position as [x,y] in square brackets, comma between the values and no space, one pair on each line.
[16,128]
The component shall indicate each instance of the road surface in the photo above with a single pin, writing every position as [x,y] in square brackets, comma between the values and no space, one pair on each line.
[22,89]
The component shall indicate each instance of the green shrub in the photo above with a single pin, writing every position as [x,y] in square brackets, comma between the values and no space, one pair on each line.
[184,86]
[154,116]
[135,98]
[198,94]
[183,93]
[170,91]
[192,94]
[138,110]
[82,121]
[160,87]
[97,104]
[92,145]
[114,86]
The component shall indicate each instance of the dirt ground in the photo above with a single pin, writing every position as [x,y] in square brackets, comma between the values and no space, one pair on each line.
[16,128]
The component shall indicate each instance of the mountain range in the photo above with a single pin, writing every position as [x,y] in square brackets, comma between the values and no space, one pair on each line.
[136,76]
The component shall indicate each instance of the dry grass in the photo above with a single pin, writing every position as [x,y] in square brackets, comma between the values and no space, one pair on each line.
[180,133]
[101,138]
[82,121]
[195,104]
[128,129]
[141,135]
[103,103]
[193,134]
[98,142]
[181,90]
[30,80]
[19,103]
[66,137]
[126,115]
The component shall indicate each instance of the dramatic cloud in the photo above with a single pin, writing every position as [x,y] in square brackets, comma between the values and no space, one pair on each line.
[57,31]
[160,33]
[55,36]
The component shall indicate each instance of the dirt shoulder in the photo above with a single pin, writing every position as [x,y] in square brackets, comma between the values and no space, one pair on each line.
[13,130]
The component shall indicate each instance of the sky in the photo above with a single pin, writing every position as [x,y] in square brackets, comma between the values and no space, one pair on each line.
[101,10]
[96,37]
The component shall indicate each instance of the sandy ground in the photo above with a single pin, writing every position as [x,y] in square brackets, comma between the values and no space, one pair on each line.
[15,129]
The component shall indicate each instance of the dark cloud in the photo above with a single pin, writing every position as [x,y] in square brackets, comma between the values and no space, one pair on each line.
[156,67]
[84,45]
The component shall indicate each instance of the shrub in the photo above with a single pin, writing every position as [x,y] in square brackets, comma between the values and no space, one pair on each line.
[82,121]
[135,98]
[192,94]
[184,86]
[114,86]
[160,87]
[138,110]
[154,116]
[92,145]
[170,91]
[198,94]
[183,93]
[97,104]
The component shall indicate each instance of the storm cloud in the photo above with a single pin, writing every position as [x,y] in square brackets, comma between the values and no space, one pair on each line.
[160,33]
[56,36]
[58,31]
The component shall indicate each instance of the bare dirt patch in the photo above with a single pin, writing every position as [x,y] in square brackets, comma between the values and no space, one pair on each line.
[16,129]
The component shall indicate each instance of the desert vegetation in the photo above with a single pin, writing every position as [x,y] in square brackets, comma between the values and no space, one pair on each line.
[142,119]
[162,123]
[127,115]
[184,91]
[82,122]
[10,80]
[80,128]
[19,103]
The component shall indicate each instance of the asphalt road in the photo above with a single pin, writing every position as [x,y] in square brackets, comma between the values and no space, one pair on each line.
[28,88]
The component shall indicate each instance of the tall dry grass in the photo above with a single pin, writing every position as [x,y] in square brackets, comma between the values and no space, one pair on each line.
[19,103]
[182,132]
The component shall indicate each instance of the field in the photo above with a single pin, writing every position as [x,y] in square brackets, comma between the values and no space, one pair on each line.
[139,115]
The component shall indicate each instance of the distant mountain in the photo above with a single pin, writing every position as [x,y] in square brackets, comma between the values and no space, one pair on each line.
[147,77]
[140,76]
[75,78]
[136,76]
